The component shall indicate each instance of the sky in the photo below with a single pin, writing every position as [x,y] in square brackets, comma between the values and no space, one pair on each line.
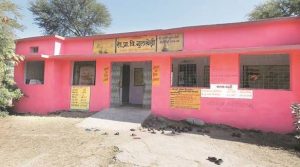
[139,15]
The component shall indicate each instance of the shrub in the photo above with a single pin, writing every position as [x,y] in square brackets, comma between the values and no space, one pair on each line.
[296,116]
[9,15]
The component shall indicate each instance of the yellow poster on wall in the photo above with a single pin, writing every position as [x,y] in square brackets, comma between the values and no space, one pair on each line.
[170,42]
[106,75]
[104,46]
[80,98]
[138,44]
[155,75]
[185,98]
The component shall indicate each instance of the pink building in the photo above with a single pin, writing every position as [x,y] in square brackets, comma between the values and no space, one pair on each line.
[241,74]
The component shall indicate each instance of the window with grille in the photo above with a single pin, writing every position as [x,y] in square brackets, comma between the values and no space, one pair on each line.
[187,75]
[265,72]
[34,49]
[190,72]
[34,72]
[206,76]
[84,73]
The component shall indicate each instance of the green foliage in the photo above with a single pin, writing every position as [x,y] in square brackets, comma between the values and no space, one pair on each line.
[296,116]
[276,8]
[8,23]
[70,18]
[3,114]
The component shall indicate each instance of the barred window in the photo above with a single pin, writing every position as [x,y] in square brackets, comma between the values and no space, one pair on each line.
[265,72]
[34,72]
[34,49]
[206,76]
[84,73]
[190,72]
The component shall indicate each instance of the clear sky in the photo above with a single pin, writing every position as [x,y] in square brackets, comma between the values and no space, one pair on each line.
[138,15]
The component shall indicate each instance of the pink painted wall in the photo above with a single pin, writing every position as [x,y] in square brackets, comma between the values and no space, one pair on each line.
[52,96]
[45,44]
[77,47]
[268,110]
[245,35]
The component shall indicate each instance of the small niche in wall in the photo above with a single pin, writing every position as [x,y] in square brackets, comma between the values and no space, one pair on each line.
[34,49]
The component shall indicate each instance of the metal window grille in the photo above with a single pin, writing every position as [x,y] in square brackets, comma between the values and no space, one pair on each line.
[266,76]
[206,76]
[84,73]
[34,72]
[190,72]
[187,75]
[34,49]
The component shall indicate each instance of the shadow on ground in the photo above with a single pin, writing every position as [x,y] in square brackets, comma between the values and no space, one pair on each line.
[222,132]
[63,113]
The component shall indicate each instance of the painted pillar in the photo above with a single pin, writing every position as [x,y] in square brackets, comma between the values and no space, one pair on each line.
[160,93]
[100,93]
[295,75]
[63,84]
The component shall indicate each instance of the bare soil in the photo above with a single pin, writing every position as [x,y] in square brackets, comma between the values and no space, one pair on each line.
[50,141]
[58,141]
[282,141]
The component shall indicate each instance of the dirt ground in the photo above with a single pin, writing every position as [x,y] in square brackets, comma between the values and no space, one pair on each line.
[50,141]
[58,141]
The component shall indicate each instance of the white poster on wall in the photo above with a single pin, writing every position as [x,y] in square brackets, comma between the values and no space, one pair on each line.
[226,91]
[224,86]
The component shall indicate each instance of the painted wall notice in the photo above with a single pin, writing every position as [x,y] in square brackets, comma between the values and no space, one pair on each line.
[224,86]
[185,98]
[80,97]
[155,75]
[140,44]
[170,42]
[227,92]
[136,44]
[106,75]
[104,46]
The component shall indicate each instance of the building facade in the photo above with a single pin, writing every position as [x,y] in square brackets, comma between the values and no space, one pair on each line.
[244,75]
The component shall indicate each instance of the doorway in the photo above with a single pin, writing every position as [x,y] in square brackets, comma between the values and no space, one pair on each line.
[125,83]
[131,84]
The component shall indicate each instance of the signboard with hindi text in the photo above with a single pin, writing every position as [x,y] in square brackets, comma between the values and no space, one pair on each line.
[155,75]
[219,93]
[106,75]
[170,43]
[226,91]
[185,98]
[138,44]
[80,98]
[104,46]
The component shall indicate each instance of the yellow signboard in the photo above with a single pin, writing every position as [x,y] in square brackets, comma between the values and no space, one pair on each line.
[80,97]
[185,98]
[104,46]
[170,42]
[138,44]
[106,75]
[155,75]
